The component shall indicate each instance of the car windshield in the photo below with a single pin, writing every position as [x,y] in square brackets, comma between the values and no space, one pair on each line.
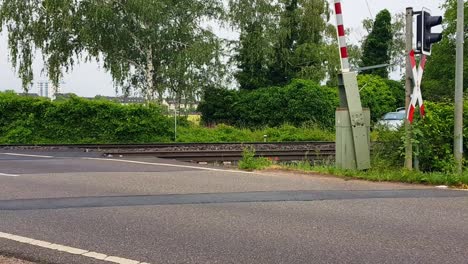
[394,116]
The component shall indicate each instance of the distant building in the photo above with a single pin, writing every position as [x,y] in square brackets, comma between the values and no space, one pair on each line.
[123,100]
[184,104]
[47,89]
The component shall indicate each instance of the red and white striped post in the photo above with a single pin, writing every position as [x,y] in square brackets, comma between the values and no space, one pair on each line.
[341,37]
[352,144]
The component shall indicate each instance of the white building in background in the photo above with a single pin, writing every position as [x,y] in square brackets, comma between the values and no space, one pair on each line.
[43,88]
[47,89]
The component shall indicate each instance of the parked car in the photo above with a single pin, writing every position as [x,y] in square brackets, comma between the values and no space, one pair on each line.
[401,109]
[392,121]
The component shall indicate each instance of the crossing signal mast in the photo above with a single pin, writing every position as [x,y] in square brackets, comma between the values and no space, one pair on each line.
[352,121]
[424,36]
[424,40]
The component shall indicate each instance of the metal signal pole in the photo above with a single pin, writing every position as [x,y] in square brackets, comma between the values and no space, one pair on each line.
[458,130]
[409,82]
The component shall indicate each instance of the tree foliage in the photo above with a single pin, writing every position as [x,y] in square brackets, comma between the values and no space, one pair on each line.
[161,47]
[256,22]
[397,88]
[376,95]
[439,75]
[156,46]
[298,102]
[434,135]
[283,40]
[377,46]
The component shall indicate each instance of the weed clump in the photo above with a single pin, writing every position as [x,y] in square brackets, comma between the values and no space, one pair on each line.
[250,162]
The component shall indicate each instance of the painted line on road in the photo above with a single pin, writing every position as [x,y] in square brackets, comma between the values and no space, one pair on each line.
[170,165]
[69,250]
[8,175]
[27,155]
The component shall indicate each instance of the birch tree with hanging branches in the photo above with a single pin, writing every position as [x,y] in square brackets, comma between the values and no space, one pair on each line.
[140,43]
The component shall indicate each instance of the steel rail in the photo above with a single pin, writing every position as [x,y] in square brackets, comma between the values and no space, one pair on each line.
[318,152]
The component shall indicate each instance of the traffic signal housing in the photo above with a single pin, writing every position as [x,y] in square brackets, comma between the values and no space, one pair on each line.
[424,37]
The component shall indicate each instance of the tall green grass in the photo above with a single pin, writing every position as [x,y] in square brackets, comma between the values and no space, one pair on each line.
[250,162]
[386,175]
[224,133]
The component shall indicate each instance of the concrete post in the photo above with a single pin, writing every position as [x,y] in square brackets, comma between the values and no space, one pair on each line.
[409,83]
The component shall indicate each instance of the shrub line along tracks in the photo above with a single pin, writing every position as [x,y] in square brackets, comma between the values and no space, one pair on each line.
[199,152]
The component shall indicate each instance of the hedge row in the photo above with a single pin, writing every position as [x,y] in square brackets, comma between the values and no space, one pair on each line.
[28,120]
[300,102]
[36,120]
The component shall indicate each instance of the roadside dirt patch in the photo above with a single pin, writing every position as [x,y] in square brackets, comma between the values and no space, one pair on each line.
[5,260]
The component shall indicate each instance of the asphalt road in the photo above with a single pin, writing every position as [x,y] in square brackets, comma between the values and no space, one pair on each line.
[157,211]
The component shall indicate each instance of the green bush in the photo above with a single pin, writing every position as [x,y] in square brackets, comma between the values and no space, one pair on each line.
[397,89]
[376,95]
[27,120]
[434,135]
[216,106]
[387,148]
[432,140]
[297,103]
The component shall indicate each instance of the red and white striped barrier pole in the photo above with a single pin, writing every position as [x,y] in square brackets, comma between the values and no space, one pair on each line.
[341,37]
[416,97]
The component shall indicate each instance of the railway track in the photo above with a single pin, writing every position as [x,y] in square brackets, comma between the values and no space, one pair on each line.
[159,145]
[231,155]
[201,152]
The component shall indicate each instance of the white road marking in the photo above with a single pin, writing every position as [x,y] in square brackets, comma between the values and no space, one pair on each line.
[69,250]
[170,165]
[27,155]
[8,175]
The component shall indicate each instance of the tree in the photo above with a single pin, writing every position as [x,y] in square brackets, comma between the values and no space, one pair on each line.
[398,46]
[376,48]
[154,46]
[354,55]
[301,47]
[256,23]
[286,43]
[439,75]
[283,40]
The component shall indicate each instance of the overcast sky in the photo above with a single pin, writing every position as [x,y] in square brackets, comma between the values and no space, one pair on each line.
[89,79]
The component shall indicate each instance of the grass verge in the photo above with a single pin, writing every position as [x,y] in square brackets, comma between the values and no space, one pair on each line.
[225,133]
[385,175]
